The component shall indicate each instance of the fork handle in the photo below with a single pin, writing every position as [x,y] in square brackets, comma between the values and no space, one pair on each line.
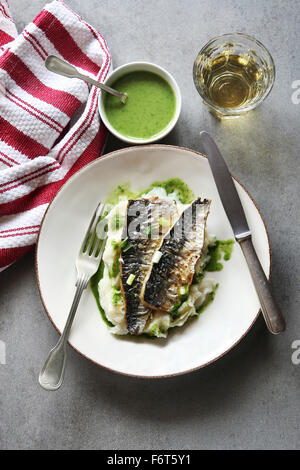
[52,373]
[80,286]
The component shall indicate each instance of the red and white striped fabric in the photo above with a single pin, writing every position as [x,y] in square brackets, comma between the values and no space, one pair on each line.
[41,142]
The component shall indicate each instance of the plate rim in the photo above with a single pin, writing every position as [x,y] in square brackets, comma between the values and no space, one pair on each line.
[94,162]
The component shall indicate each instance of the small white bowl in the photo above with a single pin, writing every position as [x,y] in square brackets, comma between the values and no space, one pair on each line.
[145,67]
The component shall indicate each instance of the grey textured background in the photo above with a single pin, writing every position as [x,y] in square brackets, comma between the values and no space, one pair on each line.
[248,399]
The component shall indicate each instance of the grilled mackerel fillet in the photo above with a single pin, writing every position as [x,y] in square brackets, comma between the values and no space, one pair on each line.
[143,233]
[180,250]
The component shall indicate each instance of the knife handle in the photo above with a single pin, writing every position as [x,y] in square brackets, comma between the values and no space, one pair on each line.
[271,311]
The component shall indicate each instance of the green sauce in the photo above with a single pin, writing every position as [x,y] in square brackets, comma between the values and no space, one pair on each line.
[115,269]
[149,108]
[208,301]
[171,185]
[121,191]
[117,296]
[221,249]
[94,286]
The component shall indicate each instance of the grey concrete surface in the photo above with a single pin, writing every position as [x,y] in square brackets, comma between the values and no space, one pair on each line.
[250,398]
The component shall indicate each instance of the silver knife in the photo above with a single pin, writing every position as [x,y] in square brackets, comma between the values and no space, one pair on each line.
[236,216]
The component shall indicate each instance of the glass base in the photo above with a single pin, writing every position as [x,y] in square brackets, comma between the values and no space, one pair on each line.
[222,116]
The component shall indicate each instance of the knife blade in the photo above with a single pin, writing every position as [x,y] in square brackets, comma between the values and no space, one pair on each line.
[226,188]
[237,218]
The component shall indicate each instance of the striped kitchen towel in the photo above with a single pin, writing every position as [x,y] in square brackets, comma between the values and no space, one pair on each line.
[49,125]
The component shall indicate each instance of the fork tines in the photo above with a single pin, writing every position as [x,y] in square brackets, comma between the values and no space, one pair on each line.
[92,241]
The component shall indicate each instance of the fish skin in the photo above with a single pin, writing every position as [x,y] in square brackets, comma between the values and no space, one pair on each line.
[138,259]
[180,253]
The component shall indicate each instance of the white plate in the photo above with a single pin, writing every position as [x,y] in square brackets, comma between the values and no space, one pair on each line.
[202,340]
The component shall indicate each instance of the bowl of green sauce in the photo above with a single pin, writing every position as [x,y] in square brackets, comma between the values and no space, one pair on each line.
[152,107]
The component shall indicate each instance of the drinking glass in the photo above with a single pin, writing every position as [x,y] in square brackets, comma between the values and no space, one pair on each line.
[233,74]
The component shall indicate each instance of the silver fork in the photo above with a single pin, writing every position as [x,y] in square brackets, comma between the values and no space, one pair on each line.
[87,263]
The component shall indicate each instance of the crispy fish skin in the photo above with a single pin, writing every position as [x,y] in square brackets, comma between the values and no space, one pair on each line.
[181,249]
[137,254]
